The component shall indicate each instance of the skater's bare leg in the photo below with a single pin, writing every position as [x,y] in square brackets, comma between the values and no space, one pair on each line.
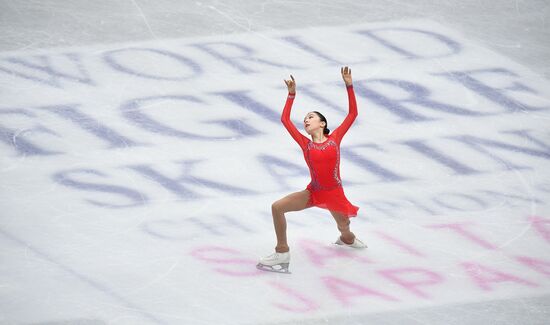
[293,202]
[343,224]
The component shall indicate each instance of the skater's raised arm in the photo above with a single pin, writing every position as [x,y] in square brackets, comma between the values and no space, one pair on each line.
[285,117]
[352,113]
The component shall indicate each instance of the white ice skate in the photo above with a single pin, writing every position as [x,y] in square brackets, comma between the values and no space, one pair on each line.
[276,262]
[356,243]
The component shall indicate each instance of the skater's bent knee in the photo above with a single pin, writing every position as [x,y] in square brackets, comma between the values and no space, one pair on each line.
[276,207]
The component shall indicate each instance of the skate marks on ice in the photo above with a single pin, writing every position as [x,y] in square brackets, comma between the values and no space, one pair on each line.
[150,167]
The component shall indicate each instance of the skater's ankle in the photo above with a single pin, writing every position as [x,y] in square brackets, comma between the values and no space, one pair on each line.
[348,239]
[282,249]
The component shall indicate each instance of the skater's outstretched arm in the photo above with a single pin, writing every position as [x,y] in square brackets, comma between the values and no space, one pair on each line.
[352,113]
[285,117]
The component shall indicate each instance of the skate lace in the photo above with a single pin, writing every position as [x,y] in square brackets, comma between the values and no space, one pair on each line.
[273,256]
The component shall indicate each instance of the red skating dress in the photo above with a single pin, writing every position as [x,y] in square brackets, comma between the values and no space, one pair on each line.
[323,160]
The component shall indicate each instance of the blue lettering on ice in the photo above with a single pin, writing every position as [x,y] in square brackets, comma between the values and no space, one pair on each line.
[243,100]
[45,71]
[387,208]
[370,166]
[303,46]
[440,157]
[419,96]
[376,34]
[134,197]
[111,58]
[16,138]
[420,205]
[91,125]
[184,229]
[133,112]
[496,95]
[247,55]
[481,145]
[183,184]
[323,100]
[280,169]
[507,196]
[446,200]
[219,226]
[239,126]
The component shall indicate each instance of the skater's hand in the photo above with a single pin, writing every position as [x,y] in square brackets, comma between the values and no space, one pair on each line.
[291,85]
[346,75]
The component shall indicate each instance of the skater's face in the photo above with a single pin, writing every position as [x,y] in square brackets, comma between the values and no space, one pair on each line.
[312,123]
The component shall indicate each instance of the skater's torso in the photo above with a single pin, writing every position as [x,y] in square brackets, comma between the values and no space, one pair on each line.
[323,160]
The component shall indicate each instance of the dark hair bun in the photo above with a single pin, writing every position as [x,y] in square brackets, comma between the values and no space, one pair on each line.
[326,130]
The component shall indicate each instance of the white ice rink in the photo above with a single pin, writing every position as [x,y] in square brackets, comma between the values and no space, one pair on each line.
[141,148]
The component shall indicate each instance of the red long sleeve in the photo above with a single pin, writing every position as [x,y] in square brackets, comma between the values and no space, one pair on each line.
[285,118]
[340,131]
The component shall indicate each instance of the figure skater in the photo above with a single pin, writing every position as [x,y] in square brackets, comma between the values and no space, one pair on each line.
[322,155]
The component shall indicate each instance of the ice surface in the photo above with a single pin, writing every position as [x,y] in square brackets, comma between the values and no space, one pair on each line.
[141,149]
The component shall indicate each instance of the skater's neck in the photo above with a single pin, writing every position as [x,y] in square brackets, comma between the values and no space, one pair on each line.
[318,137]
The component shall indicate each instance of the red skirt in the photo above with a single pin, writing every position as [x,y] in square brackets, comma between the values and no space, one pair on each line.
[332,200]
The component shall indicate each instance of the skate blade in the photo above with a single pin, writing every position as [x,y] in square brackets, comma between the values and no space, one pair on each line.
[268,268]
